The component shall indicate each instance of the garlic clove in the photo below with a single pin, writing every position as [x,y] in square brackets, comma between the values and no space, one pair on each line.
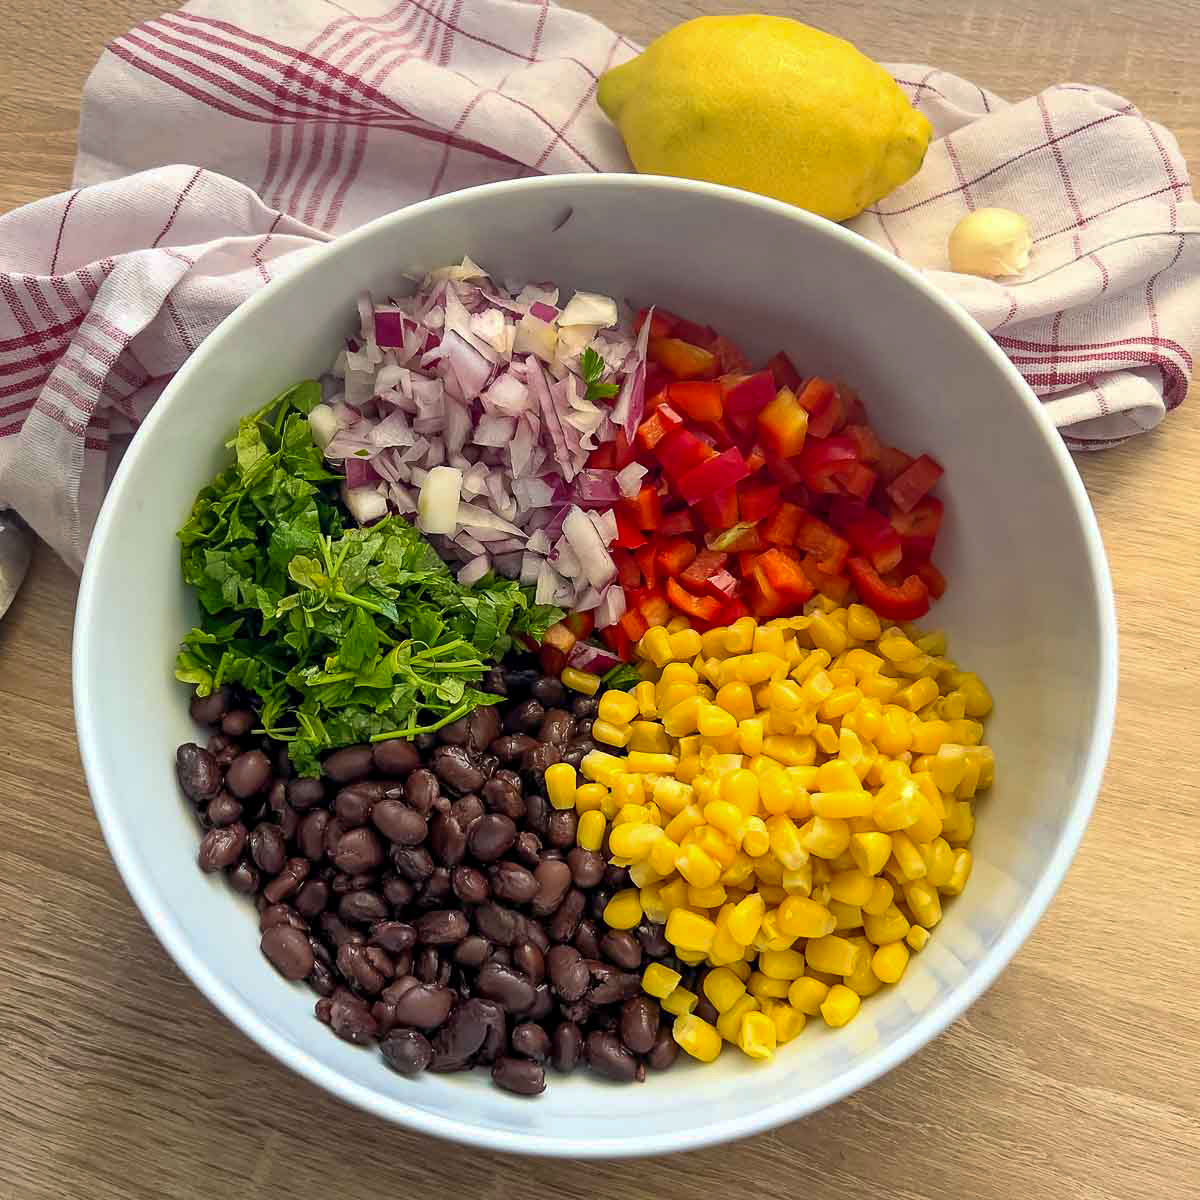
[992,242]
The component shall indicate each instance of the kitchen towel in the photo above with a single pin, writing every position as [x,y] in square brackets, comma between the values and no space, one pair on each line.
[300,119]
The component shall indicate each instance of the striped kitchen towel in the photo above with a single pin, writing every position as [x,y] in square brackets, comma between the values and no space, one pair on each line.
[303,118]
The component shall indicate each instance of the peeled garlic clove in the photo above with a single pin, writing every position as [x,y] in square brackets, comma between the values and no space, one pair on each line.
[990,242]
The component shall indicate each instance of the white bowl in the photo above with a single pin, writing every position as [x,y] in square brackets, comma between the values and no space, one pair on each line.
[1029,606]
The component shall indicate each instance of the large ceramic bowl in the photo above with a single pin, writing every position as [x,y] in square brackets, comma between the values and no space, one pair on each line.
[1030,607]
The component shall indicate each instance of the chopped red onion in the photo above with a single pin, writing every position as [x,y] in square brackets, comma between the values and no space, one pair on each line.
[629,479]
[543,312]
[612,607]
[474,571]
[323,423]
[588,308]
[593,488]
[596,660]
[365,504]
[590,547]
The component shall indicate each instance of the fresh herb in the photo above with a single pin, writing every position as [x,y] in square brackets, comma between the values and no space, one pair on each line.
[592,367]
[622,678]
[345,634]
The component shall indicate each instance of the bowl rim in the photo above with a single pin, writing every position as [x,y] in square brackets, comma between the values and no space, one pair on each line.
[394,1108]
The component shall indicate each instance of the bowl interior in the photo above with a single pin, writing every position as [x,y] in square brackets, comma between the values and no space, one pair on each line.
[1029,607]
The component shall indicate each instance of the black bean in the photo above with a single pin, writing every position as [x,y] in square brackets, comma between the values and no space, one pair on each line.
[469,884]
[566,1046]
[535,762]
[587,867]
[616,877]
[208,710]
[244,879]
[491,837]
[456,770]
[395,757]
[415,863]
[530,961]
[357,851]
[224,750]
[362,908]
[351,1019]
[350,764]
[513,883]
[313,898]
[706,1010]
[238,723]
[561,831]
[497,1031]
[483,727]
[436,892]
[537,813]
[268,849]
[353,803]
[323,1008]
[398,893]
[493,681]
[466,810]
[527,849]
[393,936]
[587,938]
[610,985]
[569,974]
[223,809]
[564,921]
[502,794]
[639,1023]
[518,678]
[424,1006]
[653,940]
[279,914]
[582,730]
[472,951]
[427,964]
[248,774]
[447,839]
[421,790]
[549,691]
[337,931]
[221,847]
[506,986]
[520,1076]
[556,726]
[554,881]
[460,1038]
[524,718]
[406,1050]
[531,1041]
[305,793]
[399,823]
[578,1012]
[356,968]
[607,1056]
[664,1052]
[321,978]
[198,772]
[585,706]
[289,822]
[509,747]
[622,948]
[497,924]
[442,928]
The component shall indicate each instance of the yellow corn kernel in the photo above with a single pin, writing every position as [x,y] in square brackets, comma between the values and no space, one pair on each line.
[680,1002]
[652,903]
[688,768]
[791,751]
[978,698]
[918,694]
[807,994]
[686,930]
[862,624]
[897,805]
[840,1007]
[894,736]
[649,736]
[674,894]
[561,785]
[928,824]
[656,646]
[882,895]
[833,954]
[784,695]
[642,875]
[763,987]
[750,735]
[777,792]
[631,814]
[781,964]
[726,817]
[618,707]
[852,886]
[879,688]
[889,962]
[693,958]
[601,767]
[826,635]
[609,734]
[798,916]
[685,644]
[739,871]
[799,882]
[589,833]
[756,1038]
[709,897]
[751,669]
[643,693]
[659,981]
[842,805]
[629,791]
[789,1022]
[846,916]
[739,637]
[723,988]
[590,796]
[696,866]
[812,665]
[889,926]
[580,681]
[970,780]
[917,937]
[608,804]
[768,639]
[640,762]
[959,874]
[929,736]
[746,919]
[769,870]
[735,699]
[756,841]
[825,837]
[683,822]
[908,856]
[678,622]
[839,702]
[772,894]
[729,1023]
[633,840]
[739,789]
[938,857]
[960,826]
[717,846]
[671,795]
[713,721]
[787,844]
[681,718]
[966,732]
[826,738]
[624,910]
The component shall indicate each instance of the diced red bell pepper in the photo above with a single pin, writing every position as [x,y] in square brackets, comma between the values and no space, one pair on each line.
[836,587]
[756,458]
[644,556]
[856,412]
[745,562]
[675,523]
[682,359]
[763,600]
[720,510]
[783,425]
[580,624]
[740,537]
[786,575]
[866,442]
[680,451]
[716,433]
[729,354]
[703,608]
[746,396]
[618,641]
[722,585]
[645,508]
[782,527]
[785,373]
[705,564]
[913,484]
[856,480]
[869,532]
[734,610]
[661,324]
[655,609]
[904,602]
[716,474]
[623,450]
[757,501]
[689,331]
[933,579]
[918,529]
[629,575]
[699,399]
[674,555]
[629,536]
[821,458]
[557,642]
[657,379]
[785,471]
[603,458]
[892,463]
[654,429]
[633,623]
[817,399]
[829,550]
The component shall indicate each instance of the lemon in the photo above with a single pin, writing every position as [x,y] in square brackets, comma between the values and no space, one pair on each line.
[770,105]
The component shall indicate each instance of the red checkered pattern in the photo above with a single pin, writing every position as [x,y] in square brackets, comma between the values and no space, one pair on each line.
[304,118]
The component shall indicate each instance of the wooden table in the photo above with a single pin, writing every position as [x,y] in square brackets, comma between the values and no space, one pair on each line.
[1075,1077]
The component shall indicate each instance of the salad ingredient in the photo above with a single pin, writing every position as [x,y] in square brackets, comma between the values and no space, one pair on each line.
[431,892]
[770,105]
[794,805]
[343,634]
[993,242]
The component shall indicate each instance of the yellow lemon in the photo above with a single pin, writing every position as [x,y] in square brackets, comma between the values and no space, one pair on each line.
[770,105]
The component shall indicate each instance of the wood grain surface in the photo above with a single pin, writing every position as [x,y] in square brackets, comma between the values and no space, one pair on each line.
[1076,1077]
